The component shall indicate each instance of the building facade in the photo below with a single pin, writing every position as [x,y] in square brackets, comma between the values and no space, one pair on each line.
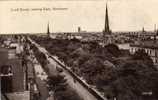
[151,50]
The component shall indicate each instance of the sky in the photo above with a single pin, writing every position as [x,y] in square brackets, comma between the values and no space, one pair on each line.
[67,15]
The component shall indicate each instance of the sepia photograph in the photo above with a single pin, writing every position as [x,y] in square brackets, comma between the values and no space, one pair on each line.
[78,50]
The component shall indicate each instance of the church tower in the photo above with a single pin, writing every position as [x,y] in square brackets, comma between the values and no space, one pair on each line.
[48,32]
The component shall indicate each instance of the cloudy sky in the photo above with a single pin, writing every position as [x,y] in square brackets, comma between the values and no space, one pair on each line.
[66,16]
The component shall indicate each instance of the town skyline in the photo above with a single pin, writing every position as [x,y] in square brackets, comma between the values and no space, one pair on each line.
[89,15]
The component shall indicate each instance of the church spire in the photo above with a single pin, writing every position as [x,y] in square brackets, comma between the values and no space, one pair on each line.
[107,39]
[48,32]
[106,27]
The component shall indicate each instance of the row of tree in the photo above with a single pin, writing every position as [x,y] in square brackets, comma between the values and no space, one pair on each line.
[57,84]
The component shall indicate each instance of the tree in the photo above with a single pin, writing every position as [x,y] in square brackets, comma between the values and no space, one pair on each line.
[113,49]
[56,83]
[69,94]
[134,78]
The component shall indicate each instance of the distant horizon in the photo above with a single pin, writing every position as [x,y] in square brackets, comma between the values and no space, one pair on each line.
[67,16]
[78,32]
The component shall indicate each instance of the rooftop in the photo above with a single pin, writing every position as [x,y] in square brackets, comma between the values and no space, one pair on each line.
[146,44]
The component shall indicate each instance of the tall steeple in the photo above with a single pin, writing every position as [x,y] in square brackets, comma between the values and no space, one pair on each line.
[48,32]
[107,37]
[106,27]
